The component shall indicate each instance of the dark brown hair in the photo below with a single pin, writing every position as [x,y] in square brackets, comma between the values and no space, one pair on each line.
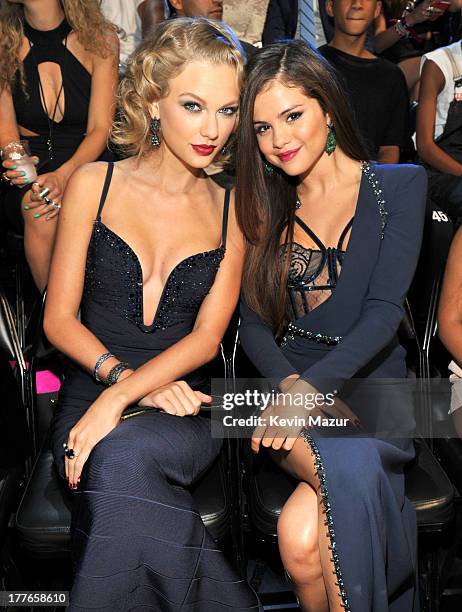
[265,204]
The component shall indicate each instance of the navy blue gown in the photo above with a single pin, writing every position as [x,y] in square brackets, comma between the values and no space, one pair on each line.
[138,543]
[346,309]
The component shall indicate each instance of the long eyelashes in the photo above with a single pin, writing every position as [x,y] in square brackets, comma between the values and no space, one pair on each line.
[195,107]
[262,129]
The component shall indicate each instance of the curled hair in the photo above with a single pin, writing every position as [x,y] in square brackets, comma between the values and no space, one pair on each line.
[265,204]
[84,17]
[160,58]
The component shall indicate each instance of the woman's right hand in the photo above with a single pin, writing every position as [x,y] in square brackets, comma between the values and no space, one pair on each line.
[16,177]
[423,12]
[176,398]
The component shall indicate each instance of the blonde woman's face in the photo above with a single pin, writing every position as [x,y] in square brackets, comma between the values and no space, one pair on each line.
[199,113]
[290,127]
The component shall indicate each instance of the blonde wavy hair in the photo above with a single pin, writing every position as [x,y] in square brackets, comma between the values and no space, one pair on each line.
[84,17]
[161,58]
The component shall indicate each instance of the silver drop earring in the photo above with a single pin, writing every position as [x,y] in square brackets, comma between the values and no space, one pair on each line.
[155,128]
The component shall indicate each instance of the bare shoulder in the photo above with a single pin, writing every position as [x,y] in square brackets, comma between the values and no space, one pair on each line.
[85,187]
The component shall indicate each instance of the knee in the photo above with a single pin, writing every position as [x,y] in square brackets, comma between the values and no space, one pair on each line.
[117,460]
[300,551]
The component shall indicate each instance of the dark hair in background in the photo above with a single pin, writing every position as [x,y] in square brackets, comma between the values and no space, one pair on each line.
[265,204]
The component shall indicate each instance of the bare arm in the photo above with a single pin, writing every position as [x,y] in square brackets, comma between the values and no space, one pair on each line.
[388,154]
[450,307]
[431,84]
[8,127]
[151,13]
[384,37]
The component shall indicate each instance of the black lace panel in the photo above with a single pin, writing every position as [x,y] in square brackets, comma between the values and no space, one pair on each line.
[312,276]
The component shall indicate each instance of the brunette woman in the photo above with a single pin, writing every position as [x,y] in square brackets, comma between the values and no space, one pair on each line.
[332,244]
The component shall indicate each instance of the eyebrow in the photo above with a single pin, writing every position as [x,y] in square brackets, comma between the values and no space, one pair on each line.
[193,95]
[284,112]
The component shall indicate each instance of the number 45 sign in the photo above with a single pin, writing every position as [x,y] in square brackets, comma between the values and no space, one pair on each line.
[440,216]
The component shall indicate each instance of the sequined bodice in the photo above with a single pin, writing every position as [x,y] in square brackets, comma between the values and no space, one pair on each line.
[114,278]
[313,273]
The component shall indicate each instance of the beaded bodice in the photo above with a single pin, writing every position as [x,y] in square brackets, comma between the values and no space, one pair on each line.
[114,279]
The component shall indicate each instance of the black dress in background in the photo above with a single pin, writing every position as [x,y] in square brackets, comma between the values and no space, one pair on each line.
[138,543]
[66,134]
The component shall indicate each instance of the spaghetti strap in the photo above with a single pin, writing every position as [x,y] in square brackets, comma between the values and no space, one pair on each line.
[224,229]
[107,182]
[344,233]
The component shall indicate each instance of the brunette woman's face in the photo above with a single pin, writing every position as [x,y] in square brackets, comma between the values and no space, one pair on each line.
[199,113]
[290,127]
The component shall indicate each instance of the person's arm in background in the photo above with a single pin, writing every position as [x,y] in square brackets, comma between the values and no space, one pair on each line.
[397,121]
[384,37]
[432,83]
[151,13]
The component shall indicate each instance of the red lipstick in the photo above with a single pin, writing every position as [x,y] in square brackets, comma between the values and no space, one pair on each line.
[204,149]
[288,155]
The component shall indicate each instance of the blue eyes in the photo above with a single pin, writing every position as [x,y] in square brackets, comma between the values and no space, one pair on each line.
[195,107]
[192,107]
[264,127]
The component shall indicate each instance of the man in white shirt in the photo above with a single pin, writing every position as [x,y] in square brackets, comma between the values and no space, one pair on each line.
[135,18]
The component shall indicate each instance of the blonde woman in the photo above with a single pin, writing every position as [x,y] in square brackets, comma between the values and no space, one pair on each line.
[58,76]
[150,250]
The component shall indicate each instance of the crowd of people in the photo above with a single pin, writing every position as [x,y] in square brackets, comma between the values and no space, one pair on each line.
[183,168]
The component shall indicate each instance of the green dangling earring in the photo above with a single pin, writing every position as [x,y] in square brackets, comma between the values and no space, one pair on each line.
[331,142]
[269,168]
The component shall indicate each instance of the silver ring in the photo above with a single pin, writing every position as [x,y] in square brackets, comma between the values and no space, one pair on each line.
[52,203]
[45,191]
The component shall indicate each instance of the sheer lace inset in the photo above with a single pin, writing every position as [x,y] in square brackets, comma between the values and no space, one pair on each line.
[313,273]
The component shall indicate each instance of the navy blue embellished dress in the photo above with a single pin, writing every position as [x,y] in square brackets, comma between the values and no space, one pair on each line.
[138,543]
[346,309]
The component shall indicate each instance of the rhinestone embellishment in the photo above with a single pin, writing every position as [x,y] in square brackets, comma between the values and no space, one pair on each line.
[378,192]
[116,282]
[328,522]
[293,330]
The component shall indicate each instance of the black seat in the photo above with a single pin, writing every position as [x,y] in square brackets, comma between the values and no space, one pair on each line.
[44,515]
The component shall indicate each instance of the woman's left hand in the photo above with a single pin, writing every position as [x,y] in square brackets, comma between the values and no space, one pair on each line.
[98,421]
[55,182]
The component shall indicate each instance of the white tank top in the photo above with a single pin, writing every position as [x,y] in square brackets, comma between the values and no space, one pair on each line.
[446,96]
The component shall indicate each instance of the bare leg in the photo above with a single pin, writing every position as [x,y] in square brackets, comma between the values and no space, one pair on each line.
[298,537]
[299,462]
[39,238]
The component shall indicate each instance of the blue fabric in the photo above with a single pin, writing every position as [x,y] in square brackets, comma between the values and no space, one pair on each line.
[374,522]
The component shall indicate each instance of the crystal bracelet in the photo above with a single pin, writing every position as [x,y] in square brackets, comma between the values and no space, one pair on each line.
[99,363]
[115,373]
